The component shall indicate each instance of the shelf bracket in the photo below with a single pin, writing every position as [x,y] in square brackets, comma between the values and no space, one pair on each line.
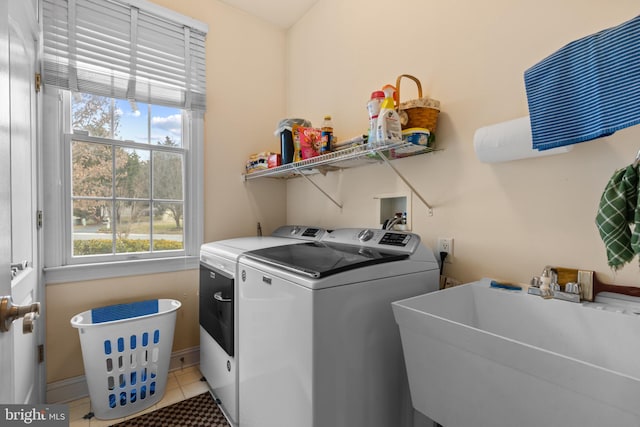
[319,188]
[408,184]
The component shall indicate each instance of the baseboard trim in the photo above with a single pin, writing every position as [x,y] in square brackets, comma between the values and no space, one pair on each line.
[74,388]
[184,358]
[67,390]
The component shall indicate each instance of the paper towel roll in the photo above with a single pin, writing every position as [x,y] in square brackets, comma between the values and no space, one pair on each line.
[507,141]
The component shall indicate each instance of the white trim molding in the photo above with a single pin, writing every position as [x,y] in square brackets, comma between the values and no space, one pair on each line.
[70,389]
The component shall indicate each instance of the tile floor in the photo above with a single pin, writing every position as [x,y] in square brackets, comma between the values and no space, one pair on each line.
[181,384]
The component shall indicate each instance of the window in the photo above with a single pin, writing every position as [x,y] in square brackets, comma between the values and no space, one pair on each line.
[124,101]
[127,177]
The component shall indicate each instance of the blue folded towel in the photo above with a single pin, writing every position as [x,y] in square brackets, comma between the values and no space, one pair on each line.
[588,89]
[124,311]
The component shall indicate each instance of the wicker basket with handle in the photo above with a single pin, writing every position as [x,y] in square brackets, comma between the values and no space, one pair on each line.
[417,113]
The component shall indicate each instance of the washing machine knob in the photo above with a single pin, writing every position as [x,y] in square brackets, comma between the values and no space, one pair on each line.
[365,235]
[295,229]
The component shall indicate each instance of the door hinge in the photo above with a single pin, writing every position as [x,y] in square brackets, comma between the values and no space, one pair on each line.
[39,219]
[40,353]
[38,82]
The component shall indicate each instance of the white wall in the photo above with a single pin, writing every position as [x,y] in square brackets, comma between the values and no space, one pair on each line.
[508,220]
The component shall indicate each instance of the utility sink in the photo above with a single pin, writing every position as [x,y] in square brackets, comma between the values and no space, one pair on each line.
[478,356]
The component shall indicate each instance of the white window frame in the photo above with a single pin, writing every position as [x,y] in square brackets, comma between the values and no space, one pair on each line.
[60,267]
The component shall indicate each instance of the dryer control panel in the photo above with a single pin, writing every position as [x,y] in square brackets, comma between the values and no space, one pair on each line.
[301,232]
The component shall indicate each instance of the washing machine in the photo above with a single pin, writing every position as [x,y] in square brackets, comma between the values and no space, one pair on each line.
[218,308]
[319,346]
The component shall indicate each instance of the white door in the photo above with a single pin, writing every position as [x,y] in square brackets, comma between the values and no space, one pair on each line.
[21,366]
[6,347]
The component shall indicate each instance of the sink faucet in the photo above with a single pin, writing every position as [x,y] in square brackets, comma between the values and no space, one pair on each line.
[549,282]
[547,286]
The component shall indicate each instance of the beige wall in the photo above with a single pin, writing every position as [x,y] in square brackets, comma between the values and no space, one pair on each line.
[64,355]
[245,100]
[508,220]
[245,85]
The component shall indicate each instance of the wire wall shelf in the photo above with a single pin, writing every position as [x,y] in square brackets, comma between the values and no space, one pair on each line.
[359,155]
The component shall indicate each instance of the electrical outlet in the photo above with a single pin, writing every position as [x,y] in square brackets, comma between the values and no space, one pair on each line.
[445,244]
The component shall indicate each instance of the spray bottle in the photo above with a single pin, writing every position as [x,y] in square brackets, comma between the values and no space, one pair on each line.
[388,126]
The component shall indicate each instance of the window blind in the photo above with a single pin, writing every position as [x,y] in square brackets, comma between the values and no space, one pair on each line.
[126,49]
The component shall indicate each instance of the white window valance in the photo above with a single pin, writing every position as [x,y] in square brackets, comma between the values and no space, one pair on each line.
[125,49]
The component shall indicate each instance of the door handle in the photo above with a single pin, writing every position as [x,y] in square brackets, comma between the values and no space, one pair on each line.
[22,265]
[10,312]
[218,297]
[28,322]
[17,267]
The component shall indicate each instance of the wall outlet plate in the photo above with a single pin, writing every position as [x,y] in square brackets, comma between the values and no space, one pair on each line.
[445,244]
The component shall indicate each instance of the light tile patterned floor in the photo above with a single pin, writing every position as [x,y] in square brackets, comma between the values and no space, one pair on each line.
[181,384]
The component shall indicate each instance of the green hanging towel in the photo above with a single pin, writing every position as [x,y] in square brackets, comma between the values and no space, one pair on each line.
[618,208]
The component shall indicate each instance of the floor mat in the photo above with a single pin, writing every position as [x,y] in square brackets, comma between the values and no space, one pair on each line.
[196,411]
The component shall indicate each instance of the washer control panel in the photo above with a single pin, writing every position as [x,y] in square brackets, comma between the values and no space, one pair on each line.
[365,235]
[374,238]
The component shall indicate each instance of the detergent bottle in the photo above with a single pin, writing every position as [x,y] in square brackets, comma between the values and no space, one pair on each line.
[388,127]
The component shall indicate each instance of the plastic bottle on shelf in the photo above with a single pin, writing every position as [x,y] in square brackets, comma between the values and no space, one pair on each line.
[373,106]
[388,127]
[327,135]
[390,91]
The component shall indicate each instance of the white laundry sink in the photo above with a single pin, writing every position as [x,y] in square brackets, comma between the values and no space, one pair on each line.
[478,356]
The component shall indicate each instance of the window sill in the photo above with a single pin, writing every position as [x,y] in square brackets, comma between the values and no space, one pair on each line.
[106,270]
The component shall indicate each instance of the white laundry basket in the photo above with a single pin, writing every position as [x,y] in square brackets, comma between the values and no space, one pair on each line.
[126,349]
